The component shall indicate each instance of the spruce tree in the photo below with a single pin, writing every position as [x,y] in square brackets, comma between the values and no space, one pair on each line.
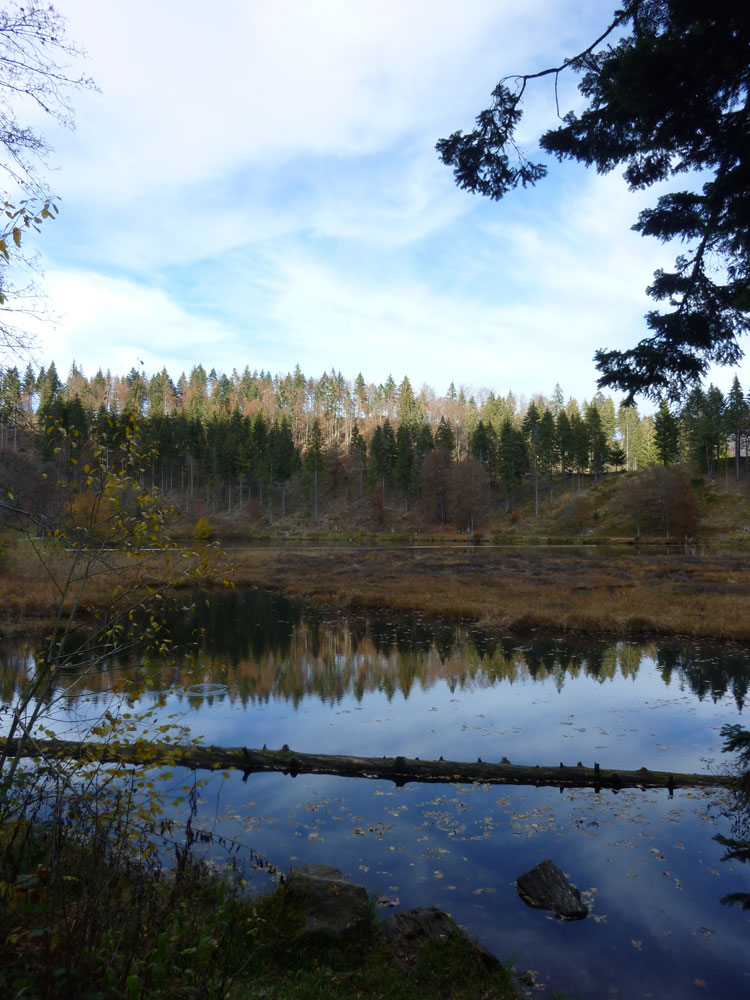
[666,434]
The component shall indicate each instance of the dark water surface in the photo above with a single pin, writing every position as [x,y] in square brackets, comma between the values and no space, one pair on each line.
[269,670]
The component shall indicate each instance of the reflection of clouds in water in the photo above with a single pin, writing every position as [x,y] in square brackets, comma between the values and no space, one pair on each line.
[461,848]
[353,686]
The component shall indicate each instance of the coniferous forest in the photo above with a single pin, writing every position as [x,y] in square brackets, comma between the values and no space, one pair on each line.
[267,448]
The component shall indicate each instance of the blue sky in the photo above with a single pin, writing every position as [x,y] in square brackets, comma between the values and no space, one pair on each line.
[256,184]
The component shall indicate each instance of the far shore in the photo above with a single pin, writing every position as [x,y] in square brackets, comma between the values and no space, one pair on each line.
[625,592]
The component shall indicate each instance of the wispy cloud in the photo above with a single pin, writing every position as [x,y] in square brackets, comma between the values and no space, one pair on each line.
[257,183]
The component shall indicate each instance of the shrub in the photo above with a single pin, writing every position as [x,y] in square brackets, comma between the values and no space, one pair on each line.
[203,528]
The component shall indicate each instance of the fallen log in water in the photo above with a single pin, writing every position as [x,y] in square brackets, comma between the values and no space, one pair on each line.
[396,769]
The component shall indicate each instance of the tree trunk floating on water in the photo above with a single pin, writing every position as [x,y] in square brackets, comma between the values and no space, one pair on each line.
[396,769]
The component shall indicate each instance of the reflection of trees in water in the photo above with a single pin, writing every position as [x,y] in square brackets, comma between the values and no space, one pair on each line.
[737,845]
[708,671]
[263,645]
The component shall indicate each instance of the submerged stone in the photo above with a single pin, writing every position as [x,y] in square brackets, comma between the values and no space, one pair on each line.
[545,887]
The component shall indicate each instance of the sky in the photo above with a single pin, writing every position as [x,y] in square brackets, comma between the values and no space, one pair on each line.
[256,184]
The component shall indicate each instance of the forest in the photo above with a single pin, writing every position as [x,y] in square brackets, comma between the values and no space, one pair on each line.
[263,448]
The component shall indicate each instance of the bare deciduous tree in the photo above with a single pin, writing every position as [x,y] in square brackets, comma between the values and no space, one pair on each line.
[36,63]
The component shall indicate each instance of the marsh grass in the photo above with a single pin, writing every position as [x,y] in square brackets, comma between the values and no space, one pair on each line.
[631,592]
[576,588]
[31,587]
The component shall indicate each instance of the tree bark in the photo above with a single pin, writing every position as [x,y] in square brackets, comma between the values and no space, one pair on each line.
[396,769]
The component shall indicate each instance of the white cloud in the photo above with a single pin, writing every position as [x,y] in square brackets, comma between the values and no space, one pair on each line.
[115,323]
[190,92]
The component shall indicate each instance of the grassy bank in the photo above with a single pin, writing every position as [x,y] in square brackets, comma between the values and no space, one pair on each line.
[577,587]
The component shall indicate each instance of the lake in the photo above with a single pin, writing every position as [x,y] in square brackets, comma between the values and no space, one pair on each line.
[267,670]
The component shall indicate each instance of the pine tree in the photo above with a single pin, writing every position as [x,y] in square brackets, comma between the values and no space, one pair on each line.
[666,434]
[598,445]
[511,460]
[736,415]
[404,462]
[530,428]
[445,440]
[313,465]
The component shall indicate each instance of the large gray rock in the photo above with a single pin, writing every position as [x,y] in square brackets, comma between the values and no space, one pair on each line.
[547,888]
[328,903]
[404,934]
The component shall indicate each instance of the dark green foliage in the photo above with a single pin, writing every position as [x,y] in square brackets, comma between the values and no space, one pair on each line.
[383,454]
[314,452]
[736,419]
[737,847]
[246,464]
[598,449]
[547,444]
[564,441]
[579,443]
[404,461]
[423,444]
[703,420]
[81,916]
[669,98]
[283,451]
[511,460]
[617,456]
[445,439]
[481,443]
[666,434]
[737,740]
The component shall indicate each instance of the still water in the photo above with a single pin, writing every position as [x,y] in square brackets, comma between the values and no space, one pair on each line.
[266,670]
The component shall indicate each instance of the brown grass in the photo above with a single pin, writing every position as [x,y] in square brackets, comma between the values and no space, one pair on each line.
[572,588]
[33,584]
[575,589]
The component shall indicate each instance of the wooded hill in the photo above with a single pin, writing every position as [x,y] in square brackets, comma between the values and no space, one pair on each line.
[260,449]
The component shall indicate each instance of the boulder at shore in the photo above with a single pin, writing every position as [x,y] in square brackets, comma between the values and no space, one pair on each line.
[404,934]
[328,903]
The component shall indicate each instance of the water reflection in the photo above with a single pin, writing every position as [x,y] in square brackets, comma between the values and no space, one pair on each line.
[258,646]
[263,669]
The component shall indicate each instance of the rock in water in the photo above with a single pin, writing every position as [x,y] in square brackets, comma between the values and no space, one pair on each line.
[329,904]
[546,887]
